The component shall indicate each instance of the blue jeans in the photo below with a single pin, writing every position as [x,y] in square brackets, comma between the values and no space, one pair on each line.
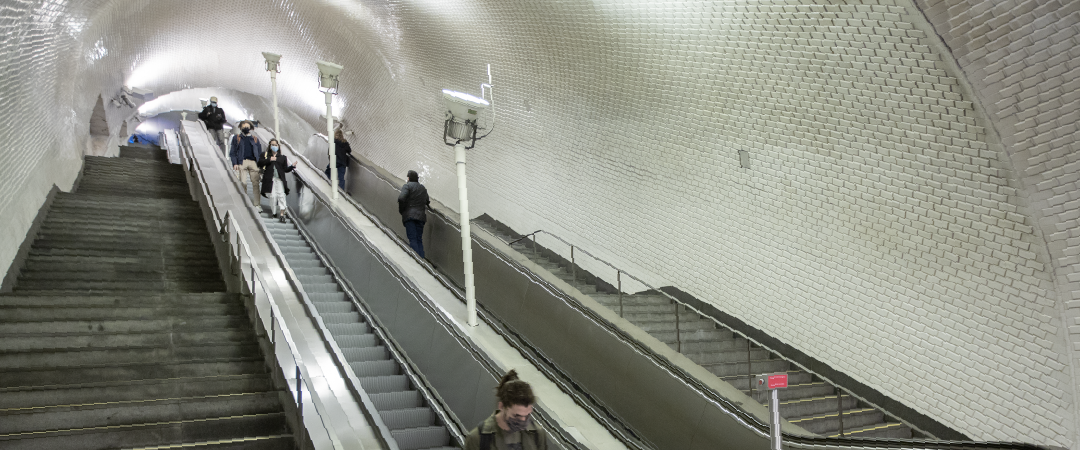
[340,176]
[414,229]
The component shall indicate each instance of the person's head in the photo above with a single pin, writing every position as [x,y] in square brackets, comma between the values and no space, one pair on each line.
[339,135]
[213,101]
[413,176]
[246,127]
[273,146]
[516,401]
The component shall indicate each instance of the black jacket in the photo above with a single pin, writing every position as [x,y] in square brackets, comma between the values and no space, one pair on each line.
[270,168]
[213,116]
[342,150]
[412,202]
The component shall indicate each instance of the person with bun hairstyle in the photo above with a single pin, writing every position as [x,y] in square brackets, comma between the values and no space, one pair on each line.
[511,426]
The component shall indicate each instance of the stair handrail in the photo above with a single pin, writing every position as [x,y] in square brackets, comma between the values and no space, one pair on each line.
[238,248]
[678,335]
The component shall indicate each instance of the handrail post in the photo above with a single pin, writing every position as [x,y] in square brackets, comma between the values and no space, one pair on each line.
[618,276]
[840,409]
[573,267]
[678,333]
[273,331]
[749,367]
[299,406]
[534,245]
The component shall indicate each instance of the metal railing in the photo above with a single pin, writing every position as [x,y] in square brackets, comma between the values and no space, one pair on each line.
[676,303]
[243,265]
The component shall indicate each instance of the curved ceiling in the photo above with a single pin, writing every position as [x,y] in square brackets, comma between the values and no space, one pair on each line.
[876,186]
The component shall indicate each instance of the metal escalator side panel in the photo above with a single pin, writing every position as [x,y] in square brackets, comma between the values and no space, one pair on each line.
[365,361]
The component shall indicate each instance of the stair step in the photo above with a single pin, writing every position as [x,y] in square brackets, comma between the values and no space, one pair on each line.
[121,355]
[152,434]
[30,313]
[183,286]
[421,437]
[177,300]
[119,325]
[102,340]
[71,374]
[829,423]
[135,390]
[894,430]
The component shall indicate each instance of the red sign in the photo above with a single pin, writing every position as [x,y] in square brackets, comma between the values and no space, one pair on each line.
[778,381]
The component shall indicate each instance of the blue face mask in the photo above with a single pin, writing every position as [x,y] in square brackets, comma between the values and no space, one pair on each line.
[213,103]
[273,148]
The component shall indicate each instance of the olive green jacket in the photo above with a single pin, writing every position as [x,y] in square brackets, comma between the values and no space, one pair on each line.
[530,437]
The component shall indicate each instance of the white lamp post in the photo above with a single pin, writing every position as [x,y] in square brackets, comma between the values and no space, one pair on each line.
[272,67]
[460,127]
[328,83]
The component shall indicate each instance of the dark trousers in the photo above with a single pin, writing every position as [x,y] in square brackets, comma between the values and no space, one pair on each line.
[340,176]
[414,229]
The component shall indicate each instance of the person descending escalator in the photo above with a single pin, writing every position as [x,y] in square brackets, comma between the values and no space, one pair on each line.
[275,165]
[245,151]
[342,150]
[412,202]
[511,426]
[214,118]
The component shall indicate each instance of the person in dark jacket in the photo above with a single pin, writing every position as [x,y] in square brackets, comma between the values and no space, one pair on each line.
[275,165]
[412,204]
[214,118]
[342,150]
[245,152]
[511,426]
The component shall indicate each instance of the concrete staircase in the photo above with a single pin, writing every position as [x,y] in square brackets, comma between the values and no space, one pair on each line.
[119,332]
[809,402]
[413,424]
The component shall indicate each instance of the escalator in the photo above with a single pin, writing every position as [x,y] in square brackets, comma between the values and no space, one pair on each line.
[119,331]
[402,405]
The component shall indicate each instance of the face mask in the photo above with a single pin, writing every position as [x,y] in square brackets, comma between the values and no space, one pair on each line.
[517,424]
[213,103]
[246,130]
[273,148]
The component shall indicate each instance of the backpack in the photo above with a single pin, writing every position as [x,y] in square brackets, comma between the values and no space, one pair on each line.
[487,440]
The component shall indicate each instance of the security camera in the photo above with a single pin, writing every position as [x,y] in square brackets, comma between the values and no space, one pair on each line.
[462,112]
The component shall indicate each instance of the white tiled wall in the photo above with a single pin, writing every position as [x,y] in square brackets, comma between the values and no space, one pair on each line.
[881,226]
